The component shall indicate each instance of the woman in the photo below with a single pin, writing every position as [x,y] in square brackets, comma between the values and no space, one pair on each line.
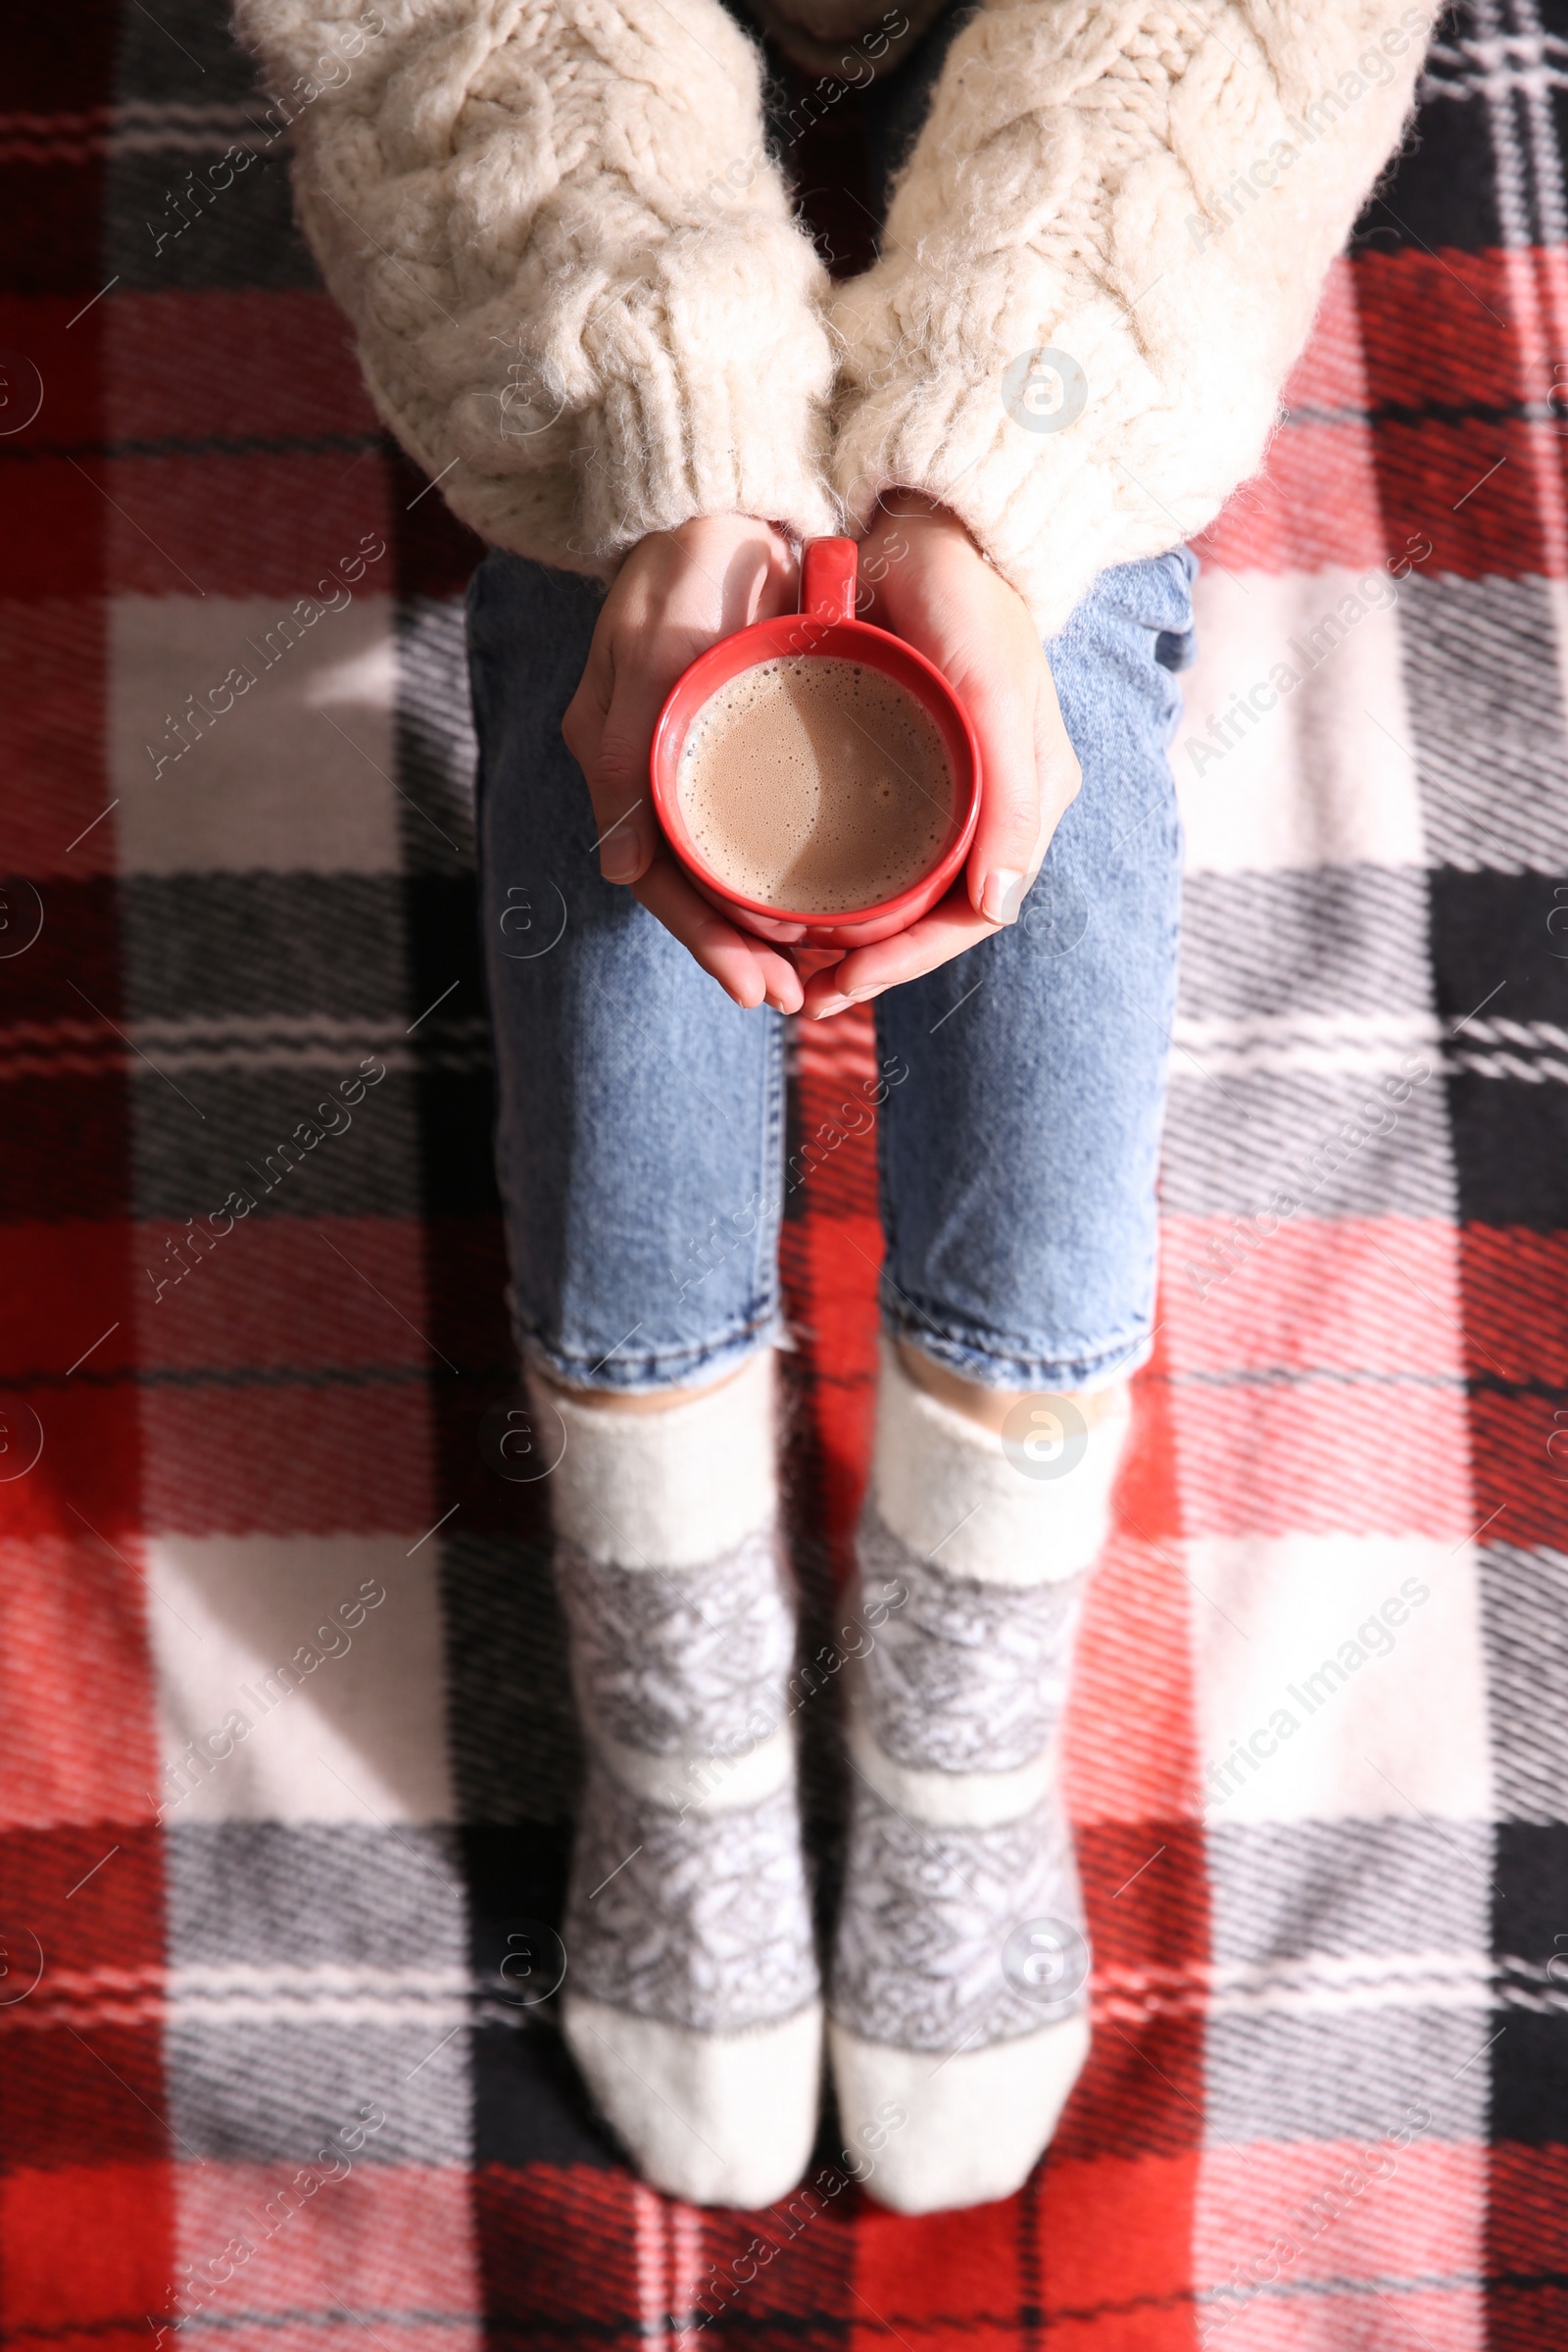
[585,306]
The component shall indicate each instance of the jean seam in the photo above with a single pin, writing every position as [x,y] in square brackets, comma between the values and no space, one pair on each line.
[770,1186]
[886,1207]
[1045,1370]
[577,1370]
[1075,1351]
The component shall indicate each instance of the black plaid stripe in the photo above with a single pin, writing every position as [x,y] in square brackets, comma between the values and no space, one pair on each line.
[180,217]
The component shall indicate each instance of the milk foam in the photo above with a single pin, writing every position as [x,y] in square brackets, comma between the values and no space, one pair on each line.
[816,785]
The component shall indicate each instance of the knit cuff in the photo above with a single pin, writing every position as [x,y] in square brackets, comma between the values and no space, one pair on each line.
[713,401]
[1047,535]
[702,389]
[1057,447]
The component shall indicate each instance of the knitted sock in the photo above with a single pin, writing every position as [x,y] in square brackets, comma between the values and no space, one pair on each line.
[960,1987]
[692,2003]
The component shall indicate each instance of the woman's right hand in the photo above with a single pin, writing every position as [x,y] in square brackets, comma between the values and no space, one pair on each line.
[676,594]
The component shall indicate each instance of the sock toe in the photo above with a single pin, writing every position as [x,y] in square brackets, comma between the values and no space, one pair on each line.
[717,2119]
[977,2122]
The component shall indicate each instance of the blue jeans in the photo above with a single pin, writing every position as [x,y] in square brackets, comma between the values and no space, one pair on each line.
[641,1131]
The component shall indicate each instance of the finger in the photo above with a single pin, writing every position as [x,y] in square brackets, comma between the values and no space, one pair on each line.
[599,731]
[949,930]
[746,968]
[1023,805]
[637,656]
[1003,855]
[620,788]
[619,782]
[1057,763]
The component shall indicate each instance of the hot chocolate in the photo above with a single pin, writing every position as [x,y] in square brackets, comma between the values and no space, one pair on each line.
[816,785]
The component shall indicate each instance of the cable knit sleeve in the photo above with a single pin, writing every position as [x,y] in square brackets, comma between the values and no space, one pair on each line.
[579,294]
[1101,262]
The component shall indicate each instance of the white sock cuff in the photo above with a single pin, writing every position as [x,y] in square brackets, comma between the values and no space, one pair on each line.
[668,1489]
[948,1489]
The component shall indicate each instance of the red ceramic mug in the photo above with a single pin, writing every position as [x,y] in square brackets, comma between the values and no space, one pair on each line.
[825,626]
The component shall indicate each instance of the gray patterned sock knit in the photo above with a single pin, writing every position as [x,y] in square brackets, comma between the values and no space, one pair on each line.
[959,1978]
[692,2002]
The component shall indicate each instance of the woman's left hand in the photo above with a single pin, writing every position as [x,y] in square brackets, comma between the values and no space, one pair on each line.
[932,587]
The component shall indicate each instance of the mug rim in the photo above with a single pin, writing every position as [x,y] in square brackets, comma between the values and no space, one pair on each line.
[943,870]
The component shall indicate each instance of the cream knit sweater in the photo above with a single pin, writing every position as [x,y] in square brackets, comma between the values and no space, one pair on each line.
[582,301]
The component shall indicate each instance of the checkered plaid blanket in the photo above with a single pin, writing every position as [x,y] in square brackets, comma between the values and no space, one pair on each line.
[287,1757]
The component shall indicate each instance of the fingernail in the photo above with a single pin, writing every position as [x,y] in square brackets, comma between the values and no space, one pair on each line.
[620,855]
[864,996]
[833,1004]
[1001,897]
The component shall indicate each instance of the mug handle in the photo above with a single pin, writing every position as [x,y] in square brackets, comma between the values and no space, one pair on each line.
[830,578]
